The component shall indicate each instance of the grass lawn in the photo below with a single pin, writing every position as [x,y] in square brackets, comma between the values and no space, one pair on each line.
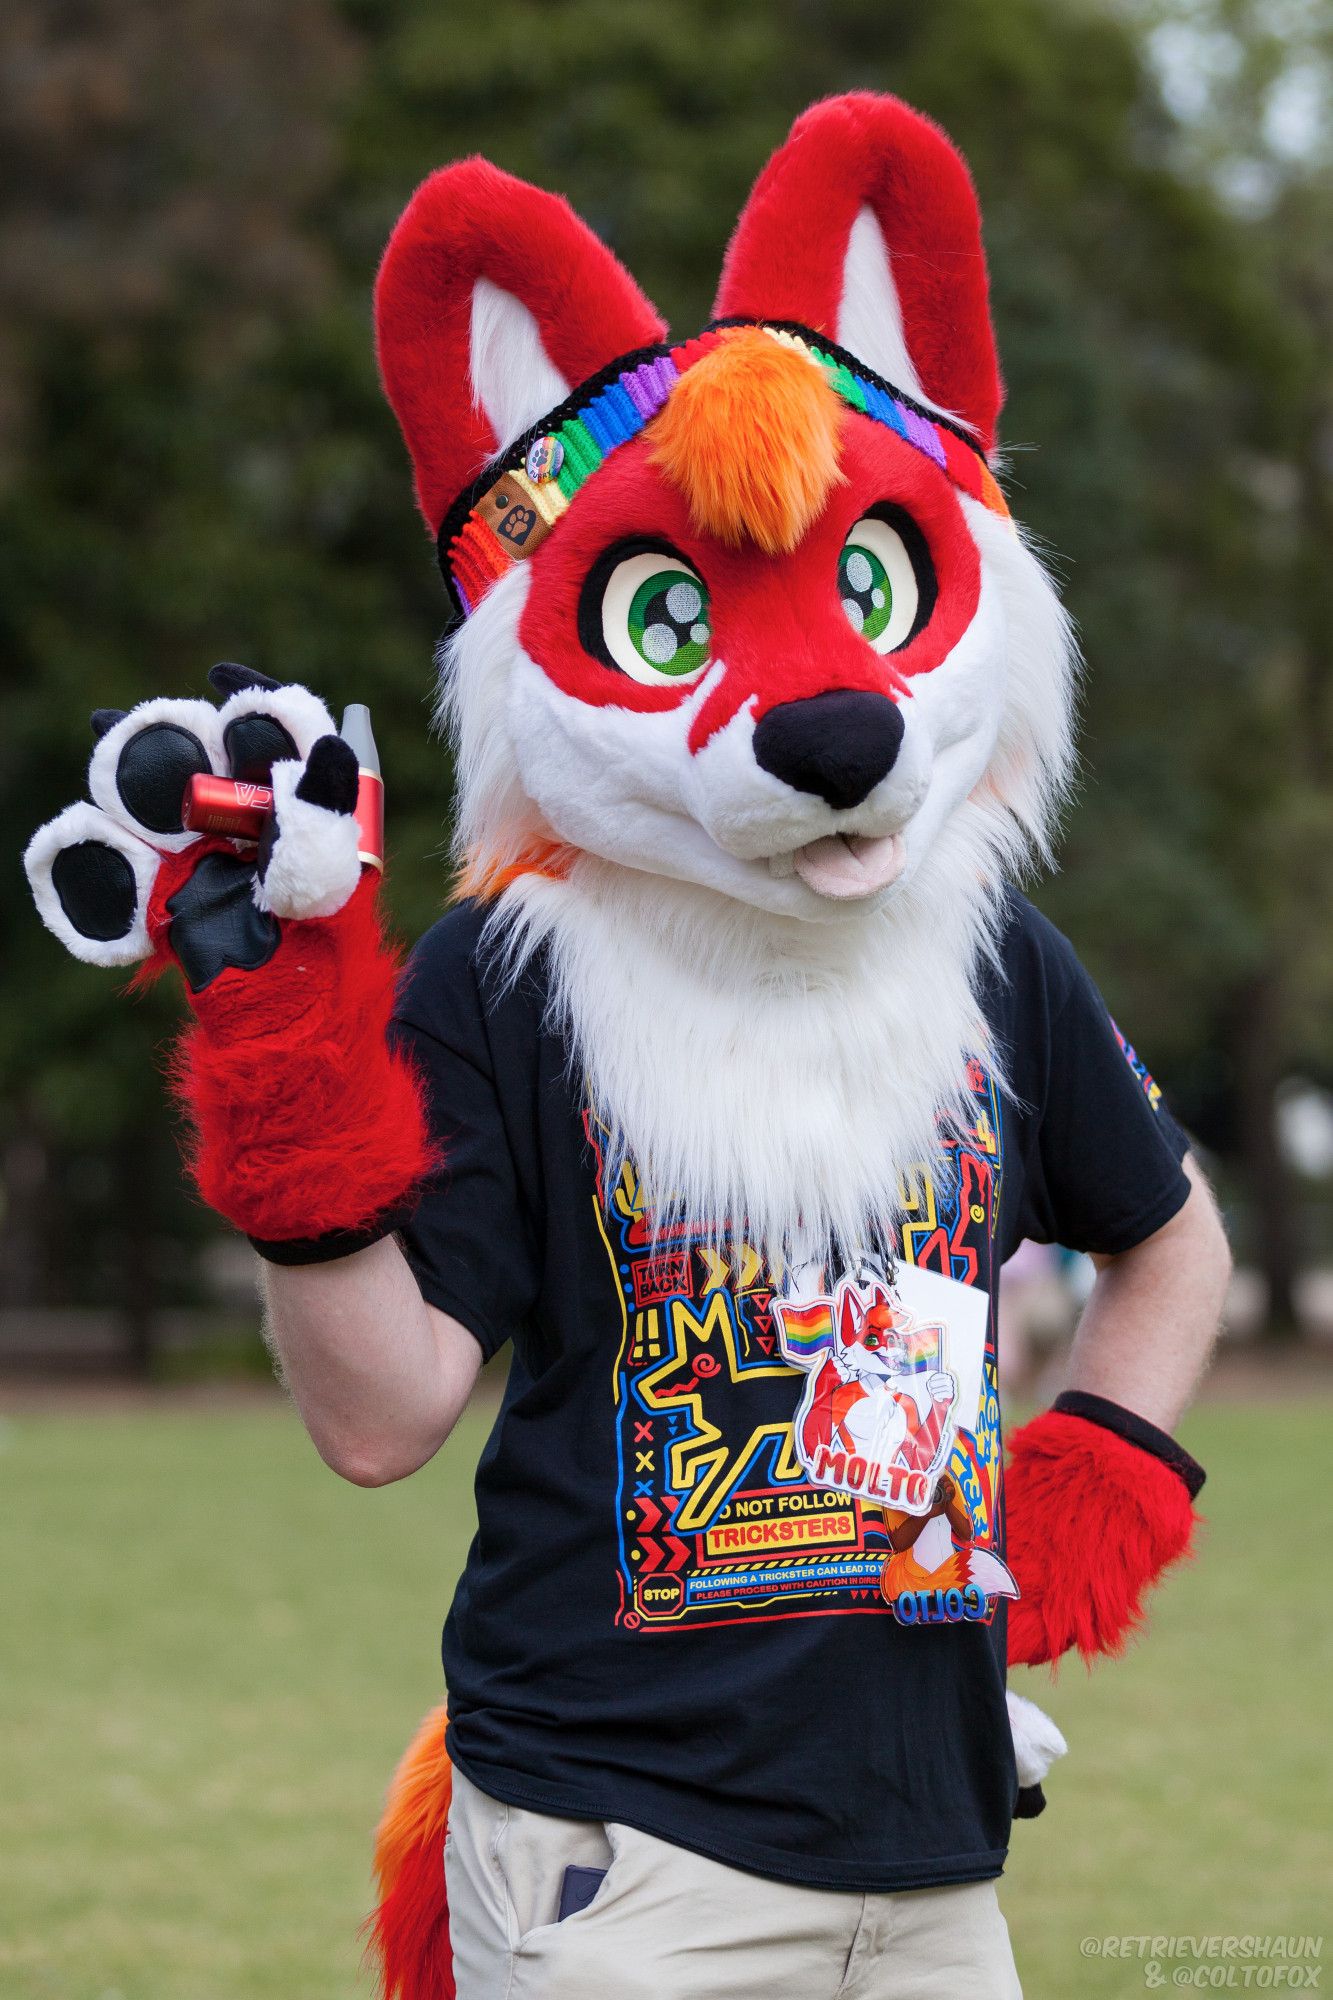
[211,1653]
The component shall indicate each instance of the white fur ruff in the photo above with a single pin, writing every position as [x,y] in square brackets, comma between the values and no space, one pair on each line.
[762,1072]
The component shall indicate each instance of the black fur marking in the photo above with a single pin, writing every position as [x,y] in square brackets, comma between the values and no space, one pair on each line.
[97,889]
[103,719]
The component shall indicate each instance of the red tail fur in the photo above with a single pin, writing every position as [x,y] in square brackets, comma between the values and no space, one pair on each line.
[409,1932]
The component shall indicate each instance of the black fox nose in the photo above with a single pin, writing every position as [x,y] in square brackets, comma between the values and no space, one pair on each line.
[838,745]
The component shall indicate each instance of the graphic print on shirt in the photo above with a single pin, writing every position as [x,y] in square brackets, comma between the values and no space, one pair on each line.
[1152,1090]
[895,1382]
[720,1516]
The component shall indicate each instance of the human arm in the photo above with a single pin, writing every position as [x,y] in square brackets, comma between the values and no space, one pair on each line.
[379,1376]
[307,1124]
[1149,1326]
[1099,1494]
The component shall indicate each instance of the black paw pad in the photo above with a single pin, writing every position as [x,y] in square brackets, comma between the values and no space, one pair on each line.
[214,923]
[154,770]
[255,743]
[331,776]
[97,889]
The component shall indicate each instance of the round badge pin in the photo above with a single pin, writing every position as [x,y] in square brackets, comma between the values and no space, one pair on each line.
[545,457]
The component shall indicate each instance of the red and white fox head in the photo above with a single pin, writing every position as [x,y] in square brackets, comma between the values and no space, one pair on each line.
[754,668]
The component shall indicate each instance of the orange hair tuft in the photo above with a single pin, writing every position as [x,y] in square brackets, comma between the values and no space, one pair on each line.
[750,436]
[483,880]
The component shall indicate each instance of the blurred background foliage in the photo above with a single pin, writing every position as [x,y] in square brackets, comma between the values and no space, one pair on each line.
[196,464]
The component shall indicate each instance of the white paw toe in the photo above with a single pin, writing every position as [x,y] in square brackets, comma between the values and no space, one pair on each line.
[313,866]
[142,767]
[91,880]
[1037,1740]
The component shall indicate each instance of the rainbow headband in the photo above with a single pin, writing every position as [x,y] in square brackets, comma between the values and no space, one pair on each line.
[511,508]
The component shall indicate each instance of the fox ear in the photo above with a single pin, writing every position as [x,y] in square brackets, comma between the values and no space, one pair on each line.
[864,226]
[492,302]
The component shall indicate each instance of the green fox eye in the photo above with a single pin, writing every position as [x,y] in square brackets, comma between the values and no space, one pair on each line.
[877,584]
[655,618]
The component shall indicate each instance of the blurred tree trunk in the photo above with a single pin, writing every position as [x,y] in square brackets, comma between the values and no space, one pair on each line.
[139,1299]
[1259,1071]
[27,1194]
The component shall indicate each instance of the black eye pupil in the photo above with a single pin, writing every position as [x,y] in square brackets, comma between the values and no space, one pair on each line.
[660,613]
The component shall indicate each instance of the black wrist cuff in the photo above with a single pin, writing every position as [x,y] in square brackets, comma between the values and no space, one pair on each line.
[1135,1430]
[336,1242]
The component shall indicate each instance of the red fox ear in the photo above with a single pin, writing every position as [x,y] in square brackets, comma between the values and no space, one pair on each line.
[493,301]
[865,227]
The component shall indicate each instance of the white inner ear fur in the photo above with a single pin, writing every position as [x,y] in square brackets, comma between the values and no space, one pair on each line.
[514,380]
[870,317]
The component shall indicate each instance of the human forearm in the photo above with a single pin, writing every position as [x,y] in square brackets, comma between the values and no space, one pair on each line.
[1099,1494]
[379,1376]
[1151,1321]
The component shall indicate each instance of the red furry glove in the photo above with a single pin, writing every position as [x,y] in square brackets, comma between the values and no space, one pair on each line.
[1098,1503]
[308,1130]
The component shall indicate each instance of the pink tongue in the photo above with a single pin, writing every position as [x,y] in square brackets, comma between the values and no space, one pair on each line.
[845,866]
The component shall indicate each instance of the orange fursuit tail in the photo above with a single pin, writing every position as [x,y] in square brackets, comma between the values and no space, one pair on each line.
[409,1932]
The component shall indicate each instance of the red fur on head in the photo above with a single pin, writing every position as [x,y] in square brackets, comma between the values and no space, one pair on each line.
[471,221]
[777,622]
[1091,1523]
[786,257]
[304,1120]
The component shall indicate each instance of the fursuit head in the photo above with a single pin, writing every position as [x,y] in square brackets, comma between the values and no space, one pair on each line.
[756,693]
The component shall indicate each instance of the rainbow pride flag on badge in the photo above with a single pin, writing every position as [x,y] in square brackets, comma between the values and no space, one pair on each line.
[807,1330]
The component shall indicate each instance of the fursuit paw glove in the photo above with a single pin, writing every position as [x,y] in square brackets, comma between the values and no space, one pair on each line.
[309,1132]
[1099,1503]
[1038,1743]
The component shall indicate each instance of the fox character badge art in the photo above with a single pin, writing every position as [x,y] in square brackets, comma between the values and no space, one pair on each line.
[729,1082]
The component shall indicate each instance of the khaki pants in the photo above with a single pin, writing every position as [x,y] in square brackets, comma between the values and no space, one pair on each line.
[669,1925]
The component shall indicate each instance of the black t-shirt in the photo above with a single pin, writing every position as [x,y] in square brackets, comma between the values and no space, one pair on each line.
[671,1615]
